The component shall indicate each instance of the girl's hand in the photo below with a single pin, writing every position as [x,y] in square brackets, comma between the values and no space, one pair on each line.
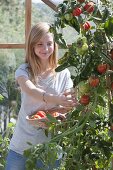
[67,99]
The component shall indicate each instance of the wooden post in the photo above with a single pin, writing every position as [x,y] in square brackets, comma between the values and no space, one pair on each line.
[50,4]
[28,7]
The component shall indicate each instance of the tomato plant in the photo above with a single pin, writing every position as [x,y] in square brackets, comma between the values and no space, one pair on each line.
[86,136]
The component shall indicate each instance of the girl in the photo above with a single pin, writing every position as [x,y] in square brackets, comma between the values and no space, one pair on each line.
[41,88]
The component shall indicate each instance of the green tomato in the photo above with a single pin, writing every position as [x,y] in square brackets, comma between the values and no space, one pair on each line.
[81,40]
[68,17]
[83,87]
[84,39]
[82,50]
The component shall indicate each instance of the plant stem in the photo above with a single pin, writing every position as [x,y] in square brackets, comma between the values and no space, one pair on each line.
[74,129]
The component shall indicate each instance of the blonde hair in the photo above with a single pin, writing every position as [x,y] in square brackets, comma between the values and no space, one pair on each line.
[31,58]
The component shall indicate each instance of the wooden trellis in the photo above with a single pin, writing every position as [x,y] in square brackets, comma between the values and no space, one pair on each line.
[28,13]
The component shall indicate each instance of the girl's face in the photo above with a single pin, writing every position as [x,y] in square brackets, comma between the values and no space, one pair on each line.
[45,47]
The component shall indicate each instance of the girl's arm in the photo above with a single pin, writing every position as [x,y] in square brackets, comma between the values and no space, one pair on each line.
[39,94]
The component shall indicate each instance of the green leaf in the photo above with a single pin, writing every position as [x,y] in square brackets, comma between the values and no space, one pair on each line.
[105,14]
[100,36]
[27,152]
[63,59]
[106,58]
[108,26]
[97,13]
[51,118]
[1,97]
[101,101]
[78,109]
[75,24]
[59,40]
[62,67]
[46,132]
[92,123]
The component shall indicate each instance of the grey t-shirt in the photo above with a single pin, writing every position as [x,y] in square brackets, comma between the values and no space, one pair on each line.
[24,132]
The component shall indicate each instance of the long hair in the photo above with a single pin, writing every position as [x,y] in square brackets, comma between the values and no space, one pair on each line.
[34,65]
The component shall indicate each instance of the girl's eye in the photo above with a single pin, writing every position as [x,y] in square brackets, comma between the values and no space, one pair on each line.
[39,44]
[49,44]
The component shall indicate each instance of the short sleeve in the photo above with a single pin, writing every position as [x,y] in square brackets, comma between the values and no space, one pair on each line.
[22,71]
[69,82]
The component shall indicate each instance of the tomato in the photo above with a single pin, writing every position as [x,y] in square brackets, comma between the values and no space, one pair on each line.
[81,1]
[77,11]
[41,114]
[83,87]
[36,117]
[89,7]
[68,16]
[86,26]
[81,45]
[81,40]
[84,39]
[94,81]
[85,99]
[101,68]
[82,50]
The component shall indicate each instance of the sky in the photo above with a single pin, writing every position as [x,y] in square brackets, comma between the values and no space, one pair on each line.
[36,1]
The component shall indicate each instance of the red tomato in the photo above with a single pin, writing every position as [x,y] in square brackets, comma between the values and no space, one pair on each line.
[41,114]
[85,99]
[81,1]
[89,7]
[36,117]
[86,26]
[101,68]
[77,11]
[94,81]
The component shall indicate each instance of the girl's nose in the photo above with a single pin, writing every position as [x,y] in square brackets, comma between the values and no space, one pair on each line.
[45,47]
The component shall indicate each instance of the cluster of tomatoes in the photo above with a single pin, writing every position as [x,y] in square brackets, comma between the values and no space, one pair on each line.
[38,115]
[41,114]
[89,8]
[82,11]
[93,82]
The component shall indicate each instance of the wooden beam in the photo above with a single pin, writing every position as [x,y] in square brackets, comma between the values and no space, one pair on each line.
[51,5]
[28,10]
[12,46]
